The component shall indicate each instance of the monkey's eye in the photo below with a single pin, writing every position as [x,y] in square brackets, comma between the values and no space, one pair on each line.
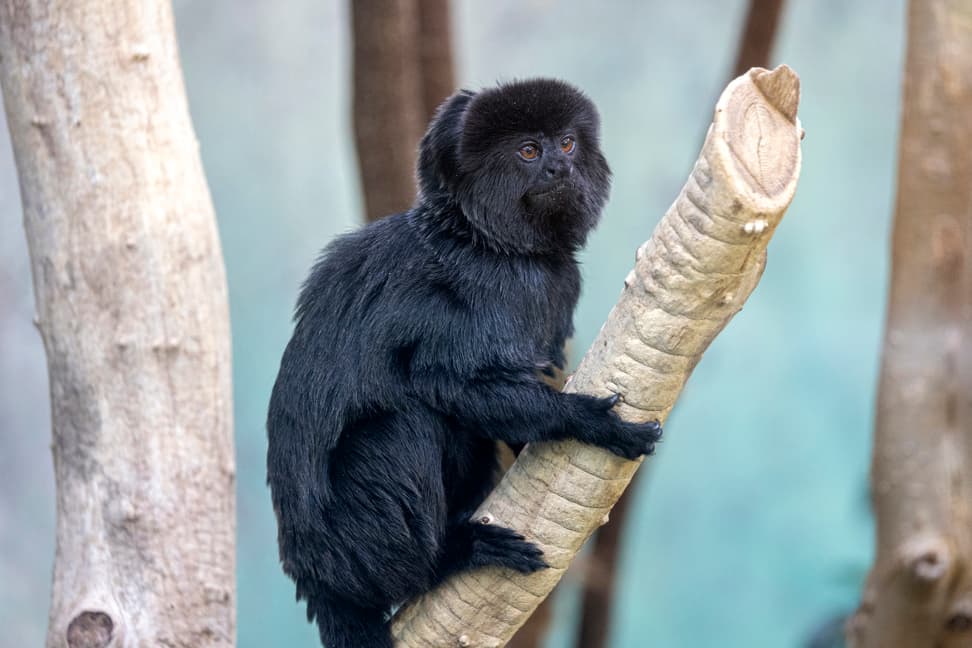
[567,144]
[529,151]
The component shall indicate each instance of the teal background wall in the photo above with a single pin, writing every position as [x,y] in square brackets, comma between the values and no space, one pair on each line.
[751,526]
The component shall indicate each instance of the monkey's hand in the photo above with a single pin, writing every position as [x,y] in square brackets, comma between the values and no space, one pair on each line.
[600,425]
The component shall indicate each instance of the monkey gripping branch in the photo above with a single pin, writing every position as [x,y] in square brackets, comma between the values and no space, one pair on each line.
[703,260]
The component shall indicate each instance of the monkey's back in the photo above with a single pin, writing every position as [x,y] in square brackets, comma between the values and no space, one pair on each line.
[349,449]
[390,322]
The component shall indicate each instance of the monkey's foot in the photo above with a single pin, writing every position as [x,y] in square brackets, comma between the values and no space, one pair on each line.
[498,546]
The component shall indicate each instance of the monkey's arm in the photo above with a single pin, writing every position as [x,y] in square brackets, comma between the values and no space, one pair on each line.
[517,408]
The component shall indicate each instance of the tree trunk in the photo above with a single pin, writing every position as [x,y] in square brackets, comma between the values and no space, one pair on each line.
[402,71]
[388,95]
[759,34]
[132,308]
[435,54]
[919,592]
[690,278]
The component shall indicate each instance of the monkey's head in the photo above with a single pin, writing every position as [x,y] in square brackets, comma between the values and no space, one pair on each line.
[523,160]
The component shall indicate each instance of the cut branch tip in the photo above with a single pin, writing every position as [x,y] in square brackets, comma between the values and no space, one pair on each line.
[781,87]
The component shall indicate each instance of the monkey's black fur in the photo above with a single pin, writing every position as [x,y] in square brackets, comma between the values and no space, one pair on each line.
[417,344]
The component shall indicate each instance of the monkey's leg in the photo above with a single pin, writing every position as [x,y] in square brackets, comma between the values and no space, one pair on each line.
[347,626]
[474,543]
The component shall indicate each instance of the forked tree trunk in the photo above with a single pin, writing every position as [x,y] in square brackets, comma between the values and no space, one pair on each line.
[689,279]
[919,592]
[132,307]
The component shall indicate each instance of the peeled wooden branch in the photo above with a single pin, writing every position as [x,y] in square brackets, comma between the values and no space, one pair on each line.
[598,600]
[702,262]
[132,307]
[919,592]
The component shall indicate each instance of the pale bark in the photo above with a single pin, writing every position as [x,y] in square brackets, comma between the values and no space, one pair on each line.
[919,592]
[132,308]
[689,279]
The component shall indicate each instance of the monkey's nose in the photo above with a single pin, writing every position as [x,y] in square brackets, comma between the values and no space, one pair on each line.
[557,171]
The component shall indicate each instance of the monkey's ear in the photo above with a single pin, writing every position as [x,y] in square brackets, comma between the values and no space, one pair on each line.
[438,161]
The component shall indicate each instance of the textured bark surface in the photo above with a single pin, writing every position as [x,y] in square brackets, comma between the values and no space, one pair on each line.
[533,633]
[387,95]
[601,574]
[919,592]
[132,308]
[702,262]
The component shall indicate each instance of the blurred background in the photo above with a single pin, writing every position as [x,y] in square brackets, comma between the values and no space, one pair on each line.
[751,526]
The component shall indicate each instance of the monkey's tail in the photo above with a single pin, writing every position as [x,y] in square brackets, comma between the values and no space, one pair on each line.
[347,626]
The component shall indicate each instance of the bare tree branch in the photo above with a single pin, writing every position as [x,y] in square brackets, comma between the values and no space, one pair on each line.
[132,308]
[919,592]
[689,279]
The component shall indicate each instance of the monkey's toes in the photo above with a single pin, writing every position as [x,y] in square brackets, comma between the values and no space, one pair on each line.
[502,547]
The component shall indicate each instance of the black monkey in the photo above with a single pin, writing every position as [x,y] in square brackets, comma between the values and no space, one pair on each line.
[417,345]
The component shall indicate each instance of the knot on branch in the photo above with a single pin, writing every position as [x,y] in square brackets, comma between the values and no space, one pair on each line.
[90,629]
[959,622]
[927,558]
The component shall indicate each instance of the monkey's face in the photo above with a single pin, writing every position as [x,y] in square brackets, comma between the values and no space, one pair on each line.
[527,168]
